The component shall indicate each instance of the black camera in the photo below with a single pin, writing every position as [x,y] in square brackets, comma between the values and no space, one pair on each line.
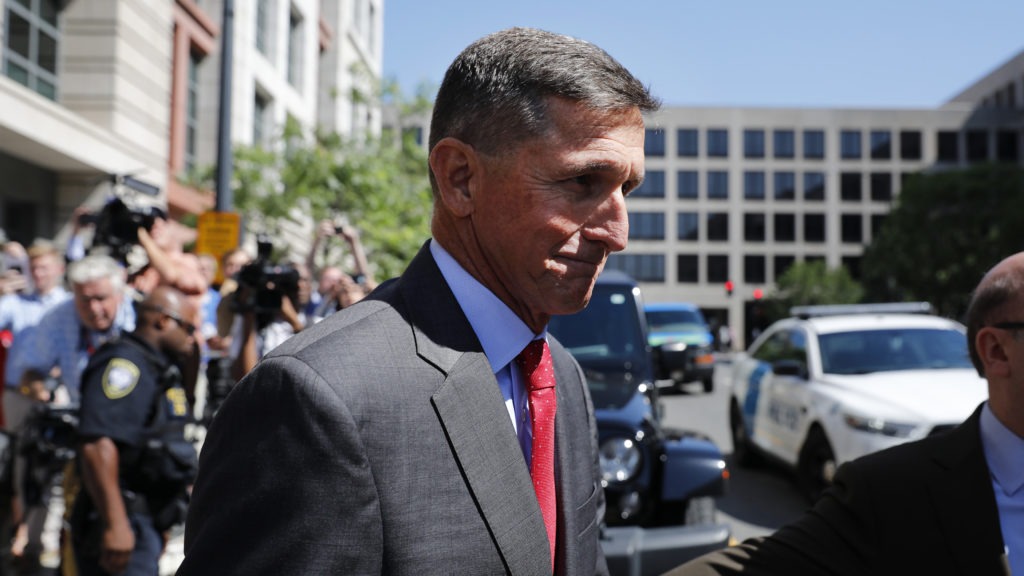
[267,283]
[117,223]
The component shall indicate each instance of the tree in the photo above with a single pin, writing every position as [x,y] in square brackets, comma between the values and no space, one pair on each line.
[811,283]
[379,183]
[945,230]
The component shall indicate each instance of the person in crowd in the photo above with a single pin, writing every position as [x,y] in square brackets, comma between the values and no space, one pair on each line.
[210,300]
[45,365]
[333,283]
[414,431]
[134,461]
[22,310]
[950,504]
[14,276]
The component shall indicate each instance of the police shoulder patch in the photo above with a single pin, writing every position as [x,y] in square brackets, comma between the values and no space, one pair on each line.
[120,378]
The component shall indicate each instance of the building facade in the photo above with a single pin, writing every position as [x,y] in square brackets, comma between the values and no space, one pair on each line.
[737,195]
[94,88]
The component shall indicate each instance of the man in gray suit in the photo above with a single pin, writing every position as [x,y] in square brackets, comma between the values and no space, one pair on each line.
[396,436]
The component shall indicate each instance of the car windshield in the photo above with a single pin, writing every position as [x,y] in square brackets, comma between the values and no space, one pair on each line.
[866,351]
[607,339]
[675,320]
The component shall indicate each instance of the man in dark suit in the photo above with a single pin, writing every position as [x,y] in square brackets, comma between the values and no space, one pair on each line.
[400,435]
[949,504]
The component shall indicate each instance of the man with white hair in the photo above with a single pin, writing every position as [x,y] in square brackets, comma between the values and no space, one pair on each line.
[62,341]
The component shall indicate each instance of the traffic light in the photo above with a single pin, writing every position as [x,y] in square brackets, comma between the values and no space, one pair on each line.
[728,287]
[758,293]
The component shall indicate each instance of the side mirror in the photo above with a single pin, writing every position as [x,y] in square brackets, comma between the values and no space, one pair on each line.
[790,368]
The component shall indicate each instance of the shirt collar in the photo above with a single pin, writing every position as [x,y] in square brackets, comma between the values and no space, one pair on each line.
[502,334]
[1003,450]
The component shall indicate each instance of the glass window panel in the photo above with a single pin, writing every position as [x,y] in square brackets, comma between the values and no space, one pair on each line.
[688,142]
[654,142]
[849,142]
[910,145]
[48,11]
[48,53]
[687,184]
[850,186]
[785,143]
[881,145]
[653,185]
[753,185]
[782,263]
[718,226]
[46,89]
[17,73]
[814,228]
[18,35]
[785,227]
[977,146]
[718,267]
[881,186]
[753,143]
[718,184]
[687,269]
[753,227]
[814,185]
[718,143]
[852,228]
[646,225]
[754,269]
[688,226]
[785,186]
[948,146]
[814,144]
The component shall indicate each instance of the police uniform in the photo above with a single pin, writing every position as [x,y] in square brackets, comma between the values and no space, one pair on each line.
[132,394]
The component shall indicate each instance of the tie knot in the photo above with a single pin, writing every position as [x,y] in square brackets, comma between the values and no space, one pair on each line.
[535,363]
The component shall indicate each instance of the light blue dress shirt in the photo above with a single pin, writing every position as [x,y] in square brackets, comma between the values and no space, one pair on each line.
[502,334]
[21,311]
[1004,452]
[60,339]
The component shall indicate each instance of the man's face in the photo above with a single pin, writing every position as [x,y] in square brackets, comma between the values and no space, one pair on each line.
[46,271]
[549,212]
[96,303]
[330,280]
[179,339]
[234,263]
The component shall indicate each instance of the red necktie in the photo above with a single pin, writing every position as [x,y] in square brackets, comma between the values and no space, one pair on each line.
[535,363]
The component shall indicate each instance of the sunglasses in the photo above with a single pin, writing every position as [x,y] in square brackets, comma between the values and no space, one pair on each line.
[187,326]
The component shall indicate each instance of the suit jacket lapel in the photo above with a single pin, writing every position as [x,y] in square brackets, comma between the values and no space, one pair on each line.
[964,498]
[473,414]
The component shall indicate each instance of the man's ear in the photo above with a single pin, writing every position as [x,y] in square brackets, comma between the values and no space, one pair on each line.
[992,353]
[456,166]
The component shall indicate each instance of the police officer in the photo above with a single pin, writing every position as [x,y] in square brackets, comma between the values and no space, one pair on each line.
[135,463]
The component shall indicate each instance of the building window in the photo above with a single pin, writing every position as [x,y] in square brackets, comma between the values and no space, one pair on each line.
[753,185]
[295,42]
[654,142]
[785,143]
[754,270]
[653,186]
[686,184]
[814,186]
[948,146]
[718,184]
[753,143]
[31,41]
[260,119]
[687,142]
[785,228]
[852,265]
[977,146]
[753,227]
[850,187]
[642,267]
[263,12]
[718,267]
[814,144]
[192,111]
[814,228]
[910,145]
[852,228]
[718,226]
[1006,146]
[686,269]
[687,225]
[646,225]
[877,220]
[718,143]
[785,186]
[881,186]
[782,263]
[849,144]
[881,145]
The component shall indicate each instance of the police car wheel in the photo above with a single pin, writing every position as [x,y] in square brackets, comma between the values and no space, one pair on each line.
[817,465]
[743,452]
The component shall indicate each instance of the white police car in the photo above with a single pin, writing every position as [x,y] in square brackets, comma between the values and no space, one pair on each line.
[833,383]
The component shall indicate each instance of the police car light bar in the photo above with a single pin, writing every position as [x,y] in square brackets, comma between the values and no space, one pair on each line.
[879,308]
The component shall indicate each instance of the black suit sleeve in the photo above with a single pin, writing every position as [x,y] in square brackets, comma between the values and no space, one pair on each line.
[284,486]
[836,537]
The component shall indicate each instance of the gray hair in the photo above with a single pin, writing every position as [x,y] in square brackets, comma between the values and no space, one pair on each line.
[495,92]
[96,267]
[990,296]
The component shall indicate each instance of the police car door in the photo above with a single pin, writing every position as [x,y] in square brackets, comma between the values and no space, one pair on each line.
[760,406]
[790,392]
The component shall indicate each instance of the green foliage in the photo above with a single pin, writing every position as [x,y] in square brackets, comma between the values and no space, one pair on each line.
[944,232]
[811,283]
[379,184]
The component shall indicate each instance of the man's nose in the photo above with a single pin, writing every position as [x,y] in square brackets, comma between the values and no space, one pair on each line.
[610,223]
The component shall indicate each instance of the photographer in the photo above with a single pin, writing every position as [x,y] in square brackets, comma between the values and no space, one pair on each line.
[335,289]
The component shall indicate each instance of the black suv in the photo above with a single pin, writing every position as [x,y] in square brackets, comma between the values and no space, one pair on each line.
[659,483]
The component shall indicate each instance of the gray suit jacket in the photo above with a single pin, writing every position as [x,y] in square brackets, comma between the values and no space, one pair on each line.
[926,507]
[377,442]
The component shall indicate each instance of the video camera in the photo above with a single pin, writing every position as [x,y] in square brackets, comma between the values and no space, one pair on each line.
[267,283]
[118,222]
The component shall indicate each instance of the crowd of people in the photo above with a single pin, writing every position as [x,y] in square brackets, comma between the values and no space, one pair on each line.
[84,331]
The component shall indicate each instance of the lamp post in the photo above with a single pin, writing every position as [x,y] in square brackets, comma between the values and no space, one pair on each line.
[225,165]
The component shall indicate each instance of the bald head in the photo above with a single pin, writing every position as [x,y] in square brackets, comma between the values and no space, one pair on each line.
[164,321]
[998,298]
